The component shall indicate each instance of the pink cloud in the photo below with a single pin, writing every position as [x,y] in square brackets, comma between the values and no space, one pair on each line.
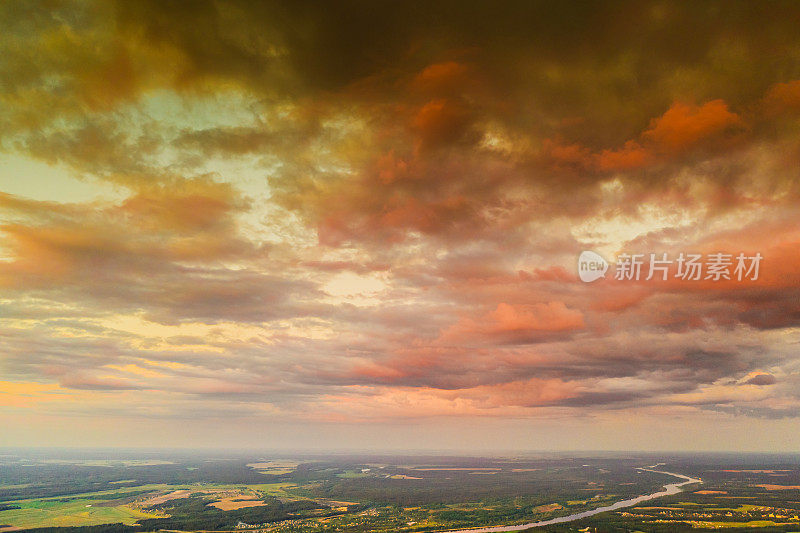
[517,323]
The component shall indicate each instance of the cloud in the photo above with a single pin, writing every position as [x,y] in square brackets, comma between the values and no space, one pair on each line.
[374,213]
[518,323]
[447,77]
[631,156]
[762,379]
[684,126]
[439,122]
[783,97]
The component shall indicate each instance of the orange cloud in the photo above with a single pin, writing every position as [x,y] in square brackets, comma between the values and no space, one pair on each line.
[192,220]
[518,323]
[391,168]
[567,156]
[783,97]
[684,126]
[189,207]
[553,316]
[441,77]
[681,128]
[440,122]
[629,157]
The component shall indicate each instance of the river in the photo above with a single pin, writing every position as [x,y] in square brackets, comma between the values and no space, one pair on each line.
[672,488]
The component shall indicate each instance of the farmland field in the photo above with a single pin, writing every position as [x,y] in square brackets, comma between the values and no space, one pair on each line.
[75,512]
[317,494]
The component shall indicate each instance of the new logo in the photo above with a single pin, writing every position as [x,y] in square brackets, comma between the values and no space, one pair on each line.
[591,266]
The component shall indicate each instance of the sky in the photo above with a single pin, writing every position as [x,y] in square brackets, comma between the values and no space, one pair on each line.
[356,225]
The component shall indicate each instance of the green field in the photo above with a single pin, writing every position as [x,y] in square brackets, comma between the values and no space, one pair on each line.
[86,510]
[359,496]
[79,512]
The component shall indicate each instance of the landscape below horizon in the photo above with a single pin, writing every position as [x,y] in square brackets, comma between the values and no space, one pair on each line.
[107,491]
